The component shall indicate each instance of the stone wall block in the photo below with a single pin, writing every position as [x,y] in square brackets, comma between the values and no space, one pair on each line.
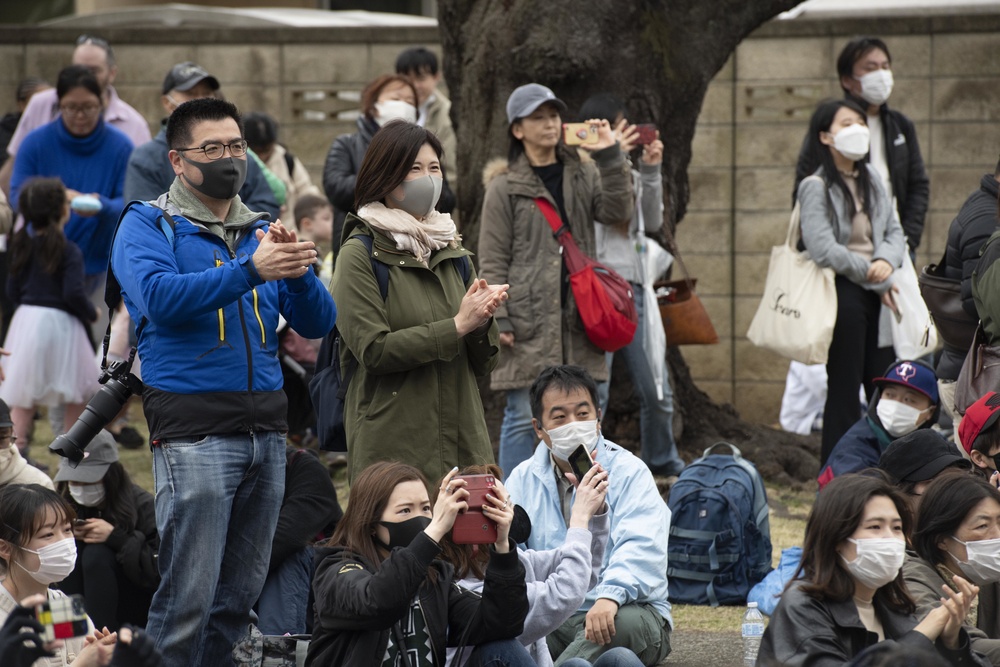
[751,272]
[759,231]
[763,188]
[711,189]
[950,186]
[759,402]
[45,60]
[797,58]
[148,64]
[712,146]
[713,271]
[326,63]
[258,65]
[913,97]
[755,363]
[704,232]
[718,104]
[13,69]
[792,100]
[976,99]
[966,54]
[710,362]
[770,145]
[718,391]
[962,144]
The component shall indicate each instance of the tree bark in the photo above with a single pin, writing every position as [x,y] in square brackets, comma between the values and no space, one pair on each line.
[659,57]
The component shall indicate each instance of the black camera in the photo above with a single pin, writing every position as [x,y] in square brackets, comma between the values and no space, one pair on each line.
[118,385]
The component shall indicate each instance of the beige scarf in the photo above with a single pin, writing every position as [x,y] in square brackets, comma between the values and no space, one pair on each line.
[418,237]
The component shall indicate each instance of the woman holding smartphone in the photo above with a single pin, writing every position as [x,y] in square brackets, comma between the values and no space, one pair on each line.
[382,594]
[848,593]
[539,325]
[848,224]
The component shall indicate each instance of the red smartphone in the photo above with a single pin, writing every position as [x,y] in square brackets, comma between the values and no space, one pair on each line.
[580,462]
[647,134]
[472,526]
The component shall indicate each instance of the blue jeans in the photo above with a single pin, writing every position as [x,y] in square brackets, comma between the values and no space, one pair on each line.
[517,435]
[504,653]
[656,416]
[616,657]
[284,600]
[217,503]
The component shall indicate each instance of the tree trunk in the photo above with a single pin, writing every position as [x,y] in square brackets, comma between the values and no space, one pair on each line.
[659,57]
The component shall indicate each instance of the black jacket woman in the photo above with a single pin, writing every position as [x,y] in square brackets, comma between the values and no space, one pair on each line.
[115,534]
[848,593]
[381,592]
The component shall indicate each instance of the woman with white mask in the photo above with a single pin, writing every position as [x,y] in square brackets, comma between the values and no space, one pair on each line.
[848,225]
[958,535]
[389,97]
[116,537]
[848,593]
[37,550]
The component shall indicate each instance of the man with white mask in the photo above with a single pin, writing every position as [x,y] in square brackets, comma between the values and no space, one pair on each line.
[865,70]
[629,606]
[905,399]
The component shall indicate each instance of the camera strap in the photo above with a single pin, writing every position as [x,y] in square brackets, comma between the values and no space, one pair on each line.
[113,289]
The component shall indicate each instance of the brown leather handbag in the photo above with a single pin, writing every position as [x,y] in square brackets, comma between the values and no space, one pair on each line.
[685,319]
[944,301]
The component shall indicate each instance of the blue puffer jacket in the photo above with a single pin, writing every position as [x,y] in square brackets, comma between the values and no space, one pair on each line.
[208,347]
[859,448]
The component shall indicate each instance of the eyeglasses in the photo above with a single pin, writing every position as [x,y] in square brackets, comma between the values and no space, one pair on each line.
[214,151]
[96,41]
[85,110]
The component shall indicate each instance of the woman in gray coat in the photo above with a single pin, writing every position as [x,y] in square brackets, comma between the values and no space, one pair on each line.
[848,224]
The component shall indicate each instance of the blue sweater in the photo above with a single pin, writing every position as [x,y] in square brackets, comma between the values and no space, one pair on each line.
[92,164]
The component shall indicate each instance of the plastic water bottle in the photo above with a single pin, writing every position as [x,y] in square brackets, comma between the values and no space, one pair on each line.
[752,630]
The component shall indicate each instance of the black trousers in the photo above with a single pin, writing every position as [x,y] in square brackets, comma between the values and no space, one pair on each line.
[855,359]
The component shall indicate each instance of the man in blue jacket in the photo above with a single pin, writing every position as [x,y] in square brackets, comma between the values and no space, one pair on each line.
[149,173]
[905,399]
[629,606]
[205,279]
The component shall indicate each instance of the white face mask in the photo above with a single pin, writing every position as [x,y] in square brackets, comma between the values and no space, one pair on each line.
[897,418]
[566,438]
[983,566]
[89,495]
[876,86]
[852,141]
[393,109]
[878,560]
[56,561]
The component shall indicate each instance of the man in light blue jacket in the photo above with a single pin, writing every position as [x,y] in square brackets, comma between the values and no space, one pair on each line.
[629,606]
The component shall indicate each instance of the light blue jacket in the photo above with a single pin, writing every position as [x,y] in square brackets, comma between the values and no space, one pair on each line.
[635,562]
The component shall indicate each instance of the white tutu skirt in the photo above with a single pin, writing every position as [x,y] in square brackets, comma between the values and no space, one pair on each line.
[51,360]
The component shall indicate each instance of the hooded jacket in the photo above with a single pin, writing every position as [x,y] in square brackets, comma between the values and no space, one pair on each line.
[517,247]
[823,633]
[414,396]
[15,470]
[209,344]
[357,604]
[975,222]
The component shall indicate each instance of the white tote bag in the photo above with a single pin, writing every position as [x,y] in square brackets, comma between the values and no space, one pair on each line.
[913,332]
[798,311]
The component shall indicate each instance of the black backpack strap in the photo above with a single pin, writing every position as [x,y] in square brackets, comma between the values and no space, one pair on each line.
[289,162]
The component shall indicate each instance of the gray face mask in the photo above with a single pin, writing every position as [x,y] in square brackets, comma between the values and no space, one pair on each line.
[420,196]
[220,179]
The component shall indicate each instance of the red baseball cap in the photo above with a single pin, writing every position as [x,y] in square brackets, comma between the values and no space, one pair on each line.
[979,416]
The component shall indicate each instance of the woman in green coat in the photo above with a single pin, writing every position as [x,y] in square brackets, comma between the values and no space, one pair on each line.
[421,343]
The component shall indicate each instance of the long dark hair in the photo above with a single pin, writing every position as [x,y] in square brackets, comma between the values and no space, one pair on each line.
[369,497]
[835,516]
[119,501]
[389,158]
[818,155]
[42,202]
[22,510]
[946,503]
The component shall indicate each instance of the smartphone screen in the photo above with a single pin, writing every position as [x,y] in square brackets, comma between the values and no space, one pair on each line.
[580,462]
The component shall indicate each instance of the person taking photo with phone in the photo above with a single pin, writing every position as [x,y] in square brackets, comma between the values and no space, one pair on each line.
[540,325]
[383,597]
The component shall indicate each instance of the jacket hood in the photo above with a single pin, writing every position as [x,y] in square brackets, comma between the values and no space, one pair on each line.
[990,186]
[11,464]
[494,168]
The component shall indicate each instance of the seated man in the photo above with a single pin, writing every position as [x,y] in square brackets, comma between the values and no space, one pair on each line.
[905,399]
[629,606]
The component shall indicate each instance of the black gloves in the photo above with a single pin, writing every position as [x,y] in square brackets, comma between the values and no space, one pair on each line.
[140,652]
[21,649]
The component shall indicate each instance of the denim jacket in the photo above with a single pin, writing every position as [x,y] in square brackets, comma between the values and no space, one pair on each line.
[635,562]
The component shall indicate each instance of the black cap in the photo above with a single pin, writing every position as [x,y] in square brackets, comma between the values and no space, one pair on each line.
[185,76]
[5,420]
[919,456]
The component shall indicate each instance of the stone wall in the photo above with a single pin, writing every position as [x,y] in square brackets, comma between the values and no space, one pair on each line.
[947,72]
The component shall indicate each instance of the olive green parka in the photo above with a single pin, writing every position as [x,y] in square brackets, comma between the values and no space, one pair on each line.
[414,397]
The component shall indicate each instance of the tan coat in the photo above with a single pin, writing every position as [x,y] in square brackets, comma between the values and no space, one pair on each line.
[439,122]
[516,246]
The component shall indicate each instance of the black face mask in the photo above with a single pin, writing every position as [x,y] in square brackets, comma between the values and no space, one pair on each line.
[401,533]
[220,179]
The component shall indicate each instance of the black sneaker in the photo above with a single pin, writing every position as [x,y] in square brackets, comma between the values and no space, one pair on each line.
[129,438]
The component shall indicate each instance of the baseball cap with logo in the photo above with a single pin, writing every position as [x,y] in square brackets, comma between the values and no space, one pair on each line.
[979,416]
[912,375]
[98,457]
[185,76]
